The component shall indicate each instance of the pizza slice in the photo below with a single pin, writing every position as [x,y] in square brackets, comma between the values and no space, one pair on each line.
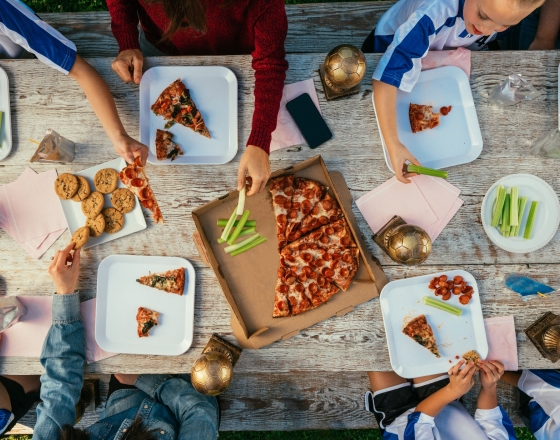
[336,236]
[172,281]
[281,303]
[135,179]
[324,212]
[282,190]
[175,104]
[422,118]
[165,147]
[419,330]
[339,267]
[146,319]
[307,194]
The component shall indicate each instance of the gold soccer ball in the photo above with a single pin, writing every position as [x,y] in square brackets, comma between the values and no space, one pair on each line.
[212,373]
[409,245]
[345,67]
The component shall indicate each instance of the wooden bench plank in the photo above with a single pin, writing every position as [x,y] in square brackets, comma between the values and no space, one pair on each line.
[314,27]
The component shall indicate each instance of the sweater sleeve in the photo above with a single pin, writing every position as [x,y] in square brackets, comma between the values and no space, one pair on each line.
[270,65]
[124,23]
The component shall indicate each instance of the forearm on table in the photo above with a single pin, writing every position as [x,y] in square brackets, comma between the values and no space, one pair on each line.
[488,398]
[432,405]
[549,21]
[385,96]
[99,96]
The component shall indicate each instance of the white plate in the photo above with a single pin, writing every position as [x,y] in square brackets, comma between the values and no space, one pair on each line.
[548,213]
[6,131]
[455,335]
[457,139]
[119,296]
[134,221]
[214,91]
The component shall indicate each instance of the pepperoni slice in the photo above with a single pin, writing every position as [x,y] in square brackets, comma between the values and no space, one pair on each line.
[468,290]
[321,280]
[333,218]
[145,193]
[347,258]
[327,257]
[137,182]
[287,205]
[457,290]
[440,291]
[324,239]
[307,270]
[335,264]
[281,219]
[319,262]
[306,257]
[442,283]
[290,280]
[450,285]
[443,278]
[446,296]
[302,247]
[344,272]
[280,200]
[290,259]
[313,287]
[431,286]
[312,274]
[148,204]
[281,272]
[130,173]
[313,246]
[292,213]
[464,299]
[318,192]
[282,243]
[315,210]
[457,279]
[296,205]
[328,273]
[336,256]
[306,206]
[292,237]
[293,270]
[316,235]
[345,241]
[327,205]
[329,230]
[308,194]
[293,301]
[419,116]
[283,288]
[299,288]
[323,220]
[283,262]
[289,191]
[302,277]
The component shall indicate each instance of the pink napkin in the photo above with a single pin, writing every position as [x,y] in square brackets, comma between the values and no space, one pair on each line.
[435,228]
[459,57]
[26,338]
[502,342]
[287,133]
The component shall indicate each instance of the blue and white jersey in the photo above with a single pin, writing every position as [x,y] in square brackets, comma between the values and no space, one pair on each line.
[19,26]
[543,386]
[410,28]
[452,423]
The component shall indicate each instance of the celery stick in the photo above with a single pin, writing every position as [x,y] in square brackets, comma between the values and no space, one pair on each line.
[513,207]
[244,233]
[239,245]
[442,306]
[500,200]
[531,220]
[411,168]
[522,205]
[249,246]
[505,216]
[229,225]
[249,223]
[239,227]
[241,203]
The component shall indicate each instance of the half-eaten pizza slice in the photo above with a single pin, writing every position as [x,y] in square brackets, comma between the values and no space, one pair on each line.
[146,319]
[282,190]
[419,330]
[422,118]
[172,281]
[165,147]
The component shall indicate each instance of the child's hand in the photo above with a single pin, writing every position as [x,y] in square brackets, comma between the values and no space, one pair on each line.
[129,149]
[490,373]
[399,155]
[128,65]
[64,276]
[461,381]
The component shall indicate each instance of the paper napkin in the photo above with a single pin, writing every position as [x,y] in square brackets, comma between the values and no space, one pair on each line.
[502,341]
[287,133]
[459,57]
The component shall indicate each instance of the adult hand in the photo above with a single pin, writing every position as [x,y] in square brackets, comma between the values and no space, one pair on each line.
[255,163]
[490,373]
[64,276]
[128,65]
[540,44]
[461,381]
[399,154]
[129,149]
[127,379]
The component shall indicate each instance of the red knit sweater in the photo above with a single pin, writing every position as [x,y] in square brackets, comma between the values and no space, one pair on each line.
[257,27]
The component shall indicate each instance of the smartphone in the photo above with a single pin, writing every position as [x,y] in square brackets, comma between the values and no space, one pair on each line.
[309,121]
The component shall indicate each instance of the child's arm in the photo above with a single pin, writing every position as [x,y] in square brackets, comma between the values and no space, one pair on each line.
[103,105]
[490,373]
[385,96]
[549,26]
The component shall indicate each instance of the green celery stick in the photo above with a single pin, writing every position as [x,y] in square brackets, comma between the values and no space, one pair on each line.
[249,246]
[239,227]
[442,306]
[244,233]
[531,220]
[239,245]
[411,168]
[249,223]
[513,207]
[229,225]
[522,205]
[500,200]
[505,216]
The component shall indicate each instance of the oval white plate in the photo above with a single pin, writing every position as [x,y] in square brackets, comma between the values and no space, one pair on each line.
[548,213]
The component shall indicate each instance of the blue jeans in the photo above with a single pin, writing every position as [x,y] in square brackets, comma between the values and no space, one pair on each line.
[528,30]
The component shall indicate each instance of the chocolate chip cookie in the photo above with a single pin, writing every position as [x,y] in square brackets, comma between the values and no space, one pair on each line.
[114,220]
[93,204]
[66,186]
[83,189]
[96,225]
[80,237]
[123,200]
[106,180]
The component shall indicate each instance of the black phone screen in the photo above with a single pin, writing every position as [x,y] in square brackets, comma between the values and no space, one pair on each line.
[309,121]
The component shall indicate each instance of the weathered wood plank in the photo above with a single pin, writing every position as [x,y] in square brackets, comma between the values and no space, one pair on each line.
[314,27]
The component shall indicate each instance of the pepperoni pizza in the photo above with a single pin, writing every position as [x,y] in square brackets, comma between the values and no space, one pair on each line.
[306,195]
[423,118]
[282,190]
[324,212]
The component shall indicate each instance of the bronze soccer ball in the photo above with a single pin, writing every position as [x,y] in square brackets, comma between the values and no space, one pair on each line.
[409,245]
[212,372]
[345,67]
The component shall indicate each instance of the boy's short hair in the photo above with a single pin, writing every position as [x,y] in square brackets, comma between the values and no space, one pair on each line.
[137,431]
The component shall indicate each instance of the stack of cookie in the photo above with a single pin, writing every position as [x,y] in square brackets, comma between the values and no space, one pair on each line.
[98,218]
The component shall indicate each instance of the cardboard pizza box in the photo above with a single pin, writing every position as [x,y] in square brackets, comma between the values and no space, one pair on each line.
[248,280]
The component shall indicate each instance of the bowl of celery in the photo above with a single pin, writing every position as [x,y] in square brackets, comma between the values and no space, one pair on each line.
[520,213]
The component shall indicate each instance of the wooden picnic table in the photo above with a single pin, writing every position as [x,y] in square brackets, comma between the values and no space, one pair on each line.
[321,369]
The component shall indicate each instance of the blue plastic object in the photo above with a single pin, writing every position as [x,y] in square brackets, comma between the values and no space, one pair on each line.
[526,287]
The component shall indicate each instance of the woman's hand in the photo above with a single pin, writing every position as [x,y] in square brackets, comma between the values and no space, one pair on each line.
[255,163]
[129,149]
[461,381]
[128,65]
[64,276]
[490,373]
[399,155]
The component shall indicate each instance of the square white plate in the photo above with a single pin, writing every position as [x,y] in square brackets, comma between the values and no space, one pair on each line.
[457,139]
[119,296]
[214,91]
[455,335]
[134,221]
[6,130]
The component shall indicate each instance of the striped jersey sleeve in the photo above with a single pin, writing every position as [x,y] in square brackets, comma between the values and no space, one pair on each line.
[495,423]
[24,28]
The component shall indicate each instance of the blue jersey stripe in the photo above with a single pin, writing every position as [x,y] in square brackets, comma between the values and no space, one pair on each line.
[506,422]
[538,416]
[40,41]
[381,43]
[409,432]
[551,377]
